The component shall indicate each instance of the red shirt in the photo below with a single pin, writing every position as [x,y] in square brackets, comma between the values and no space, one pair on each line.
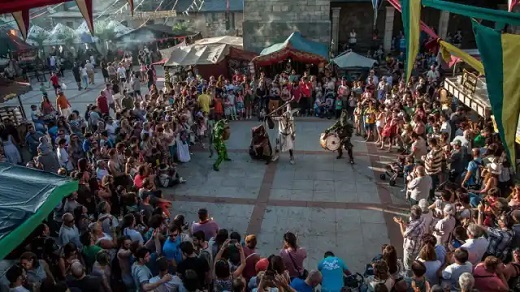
[55,80]
[296,92]
[102,104]
[305,88]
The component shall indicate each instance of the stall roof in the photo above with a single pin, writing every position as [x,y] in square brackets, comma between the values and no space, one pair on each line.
[10,89]
[353,60]
[27,196]
[11,43]
[197,54]
[237,42]
[296,47]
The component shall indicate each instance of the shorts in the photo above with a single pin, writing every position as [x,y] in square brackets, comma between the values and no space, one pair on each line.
[370,127]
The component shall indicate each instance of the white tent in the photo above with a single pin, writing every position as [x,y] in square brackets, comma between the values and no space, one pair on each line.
[36,30]
[237,42]
[353,60]
[197,55]
[58,33]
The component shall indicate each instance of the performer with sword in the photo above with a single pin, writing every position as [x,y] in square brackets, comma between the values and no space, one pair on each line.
[286,132]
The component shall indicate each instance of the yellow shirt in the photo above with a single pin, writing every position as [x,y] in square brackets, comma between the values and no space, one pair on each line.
[370,115]
[204,101]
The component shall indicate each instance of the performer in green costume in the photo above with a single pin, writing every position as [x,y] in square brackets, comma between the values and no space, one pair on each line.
[344,129]
[220,134]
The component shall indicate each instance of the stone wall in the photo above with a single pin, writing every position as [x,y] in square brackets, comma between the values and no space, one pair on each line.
[267,22]
[212,24]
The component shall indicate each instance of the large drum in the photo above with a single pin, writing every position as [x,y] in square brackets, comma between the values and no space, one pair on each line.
[330,142]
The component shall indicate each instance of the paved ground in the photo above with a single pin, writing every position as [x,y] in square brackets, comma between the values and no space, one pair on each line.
[328,203]
[78,99]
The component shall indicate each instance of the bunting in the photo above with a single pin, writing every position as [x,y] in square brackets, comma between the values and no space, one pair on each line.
[411,14]
[511,4]
[376,4]
[22,20]
[85,7]
[131,5]
[448,50]
[499,53]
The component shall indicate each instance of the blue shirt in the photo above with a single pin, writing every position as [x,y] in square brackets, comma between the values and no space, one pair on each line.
[300,285]
[332,269]
[86,145]
[473,168]
[171,249]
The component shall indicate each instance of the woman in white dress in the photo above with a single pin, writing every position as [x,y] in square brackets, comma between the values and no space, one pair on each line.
[11,153]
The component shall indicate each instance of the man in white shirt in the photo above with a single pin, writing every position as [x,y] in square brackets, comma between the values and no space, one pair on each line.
[69,232]
[63,155]
[451,274]
[52,62]
[419,187]
[121,73]
[476,244]
[90,71]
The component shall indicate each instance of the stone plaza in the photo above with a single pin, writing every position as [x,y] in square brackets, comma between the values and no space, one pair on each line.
[328,203]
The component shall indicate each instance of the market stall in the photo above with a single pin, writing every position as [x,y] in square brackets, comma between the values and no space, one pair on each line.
[352,65]
[210,59]
[11,45]
[27,197]
[296,52]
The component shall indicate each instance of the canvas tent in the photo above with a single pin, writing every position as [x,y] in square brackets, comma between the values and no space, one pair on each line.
[295,47]
[236,42]
[27,197]
[353,60]
[10,43]
[210,59]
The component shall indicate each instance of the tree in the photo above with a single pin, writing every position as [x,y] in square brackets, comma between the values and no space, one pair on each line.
[39,37]
[67,37]
[180,27]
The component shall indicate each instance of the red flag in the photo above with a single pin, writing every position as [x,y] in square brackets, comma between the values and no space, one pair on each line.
[22,20]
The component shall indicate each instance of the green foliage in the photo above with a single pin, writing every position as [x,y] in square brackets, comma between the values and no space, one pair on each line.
[180,27]
[103,31]
[39,37]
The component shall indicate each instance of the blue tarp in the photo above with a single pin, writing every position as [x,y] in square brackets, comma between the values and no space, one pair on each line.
[297,42]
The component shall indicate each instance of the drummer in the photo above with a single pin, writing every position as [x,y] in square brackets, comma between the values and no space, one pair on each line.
[344,129]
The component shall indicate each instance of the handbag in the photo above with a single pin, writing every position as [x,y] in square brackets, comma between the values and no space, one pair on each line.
[305,273]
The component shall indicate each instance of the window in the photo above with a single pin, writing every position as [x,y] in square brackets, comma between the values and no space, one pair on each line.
[230,21]
[70,24]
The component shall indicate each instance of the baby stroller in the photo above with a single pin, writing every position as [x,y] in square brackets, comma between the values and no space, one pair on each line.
[260,148]
[394,170]
[353,283]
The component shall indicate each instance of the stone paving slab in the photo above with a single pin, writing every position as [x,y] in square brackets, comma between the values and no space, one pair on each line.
[353,235]
[233,217]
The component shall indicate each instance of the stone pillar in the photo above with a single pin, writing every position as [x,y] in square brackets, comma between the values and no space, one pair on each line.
[335,29]
[389,28]
[444,21]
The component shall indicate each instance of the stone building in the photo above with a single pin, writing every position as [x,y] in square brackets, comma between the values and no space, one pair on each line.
[271,21]
[329,21]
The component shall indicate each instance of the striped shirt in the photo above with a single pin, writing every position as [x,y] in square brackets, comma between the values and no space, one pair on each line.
[433,163]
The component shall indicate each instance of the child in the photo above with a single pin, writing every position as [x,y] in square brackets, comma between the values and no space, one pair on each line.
[218,110]
[231,99]
[248,102]
[338,106]
[227,107]
[43,88]
[240,105]
[407,171]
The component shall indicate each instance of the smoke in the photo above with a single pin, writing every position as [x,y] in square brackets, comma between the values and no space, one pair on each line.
[272,26]
[141,37]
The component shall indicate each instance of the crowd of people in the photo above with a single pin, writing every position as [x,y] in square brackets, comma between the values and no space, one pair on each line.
[116,233]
